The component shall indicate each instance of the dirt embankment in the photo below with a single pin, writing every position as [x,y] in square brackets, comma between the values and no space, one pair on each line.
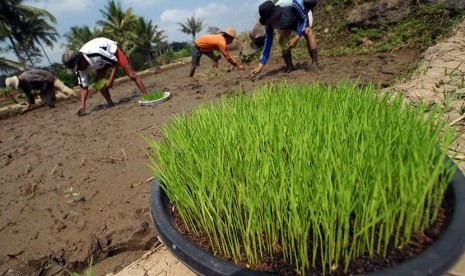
[440,80]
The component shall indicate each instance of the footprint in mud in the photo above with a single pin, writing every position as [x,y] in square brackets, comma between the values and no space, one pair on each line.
[196,86]
[124,100]
[228,83]
[99,107]
[127,99]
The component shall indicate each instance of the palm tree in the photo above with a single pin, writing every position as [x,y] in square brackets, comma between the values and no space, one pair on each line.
[160,40]
[192,26]
[118,24]
[40,31]
[8,66]
[78,36]
[147,36]
[10,23]
[13,23]
[213,30]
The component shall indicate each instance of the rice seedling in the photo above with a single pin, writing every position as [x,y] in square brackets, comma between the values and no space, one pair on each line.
[99,85]
[8,93]
[152,96]
[216,54]
[339,168]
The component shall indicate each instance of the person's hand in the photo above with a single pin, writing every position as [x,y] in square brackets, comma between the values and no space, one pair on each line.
[81,110]
[108,84]
[256,71]
[26,108]
[240,67]
[292,43]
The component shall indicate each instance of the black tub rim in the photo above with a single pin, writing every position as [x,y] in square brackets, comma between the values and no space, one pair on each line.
[437,259]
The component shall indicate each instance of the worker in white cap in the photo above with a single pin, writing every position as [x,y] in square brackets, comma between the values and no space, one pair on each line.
[44,81]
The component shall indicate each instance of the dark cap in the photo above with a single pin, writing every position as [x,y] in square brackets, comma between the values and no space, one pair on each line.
[70,58]
[268,11]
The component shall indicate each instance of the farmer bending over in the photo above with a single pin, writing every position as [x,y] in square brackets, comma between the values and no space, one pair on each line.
[284,19]
[44,81]
[207,44]
[99,54]
[307,6]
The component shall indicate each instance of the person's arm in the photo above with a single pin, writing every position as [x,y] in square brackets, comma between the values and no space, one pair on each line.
[228,57]
[266,50]
[111,79]
[302,16]
[258,69]
[84,92]
[268,43]
[29,99]
[83,82]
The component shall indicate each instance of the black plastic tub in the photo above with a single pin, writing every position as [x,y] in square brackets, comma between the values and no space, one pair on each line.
[437,259]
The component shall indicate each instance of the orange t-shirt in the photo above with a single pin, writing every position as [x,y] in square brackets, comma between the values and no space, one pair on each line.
[210,42]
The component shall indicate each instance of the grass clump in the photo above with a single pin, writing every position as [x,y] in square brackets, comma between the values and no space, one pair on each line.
[423,27]
[152,96]
[339,168]
[411,31]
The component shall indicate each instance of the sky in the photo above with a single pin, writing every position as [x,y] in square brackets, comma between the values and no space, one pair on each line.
[241,14]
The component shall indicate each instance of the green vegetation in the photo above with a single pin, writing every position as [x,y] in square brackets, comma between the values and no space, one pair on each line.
[58,69]
[7,97]
[421,29]
[341,169]
[99,85]
[216,54]
[152,96]
[192,26]
[29,29]
[176,53]
[26,30]
[4,91]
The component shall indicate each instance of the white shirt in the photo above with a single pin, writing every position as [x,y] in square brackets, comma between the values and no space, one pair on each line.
[99,52]
[287,3]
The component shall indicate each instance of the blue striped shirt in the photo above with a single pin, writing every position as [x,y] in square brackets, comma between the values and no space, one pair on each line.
[290,14]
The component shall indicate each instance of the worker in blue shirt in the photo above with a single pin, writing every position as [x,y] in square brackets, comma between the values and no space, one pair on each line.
[284,19]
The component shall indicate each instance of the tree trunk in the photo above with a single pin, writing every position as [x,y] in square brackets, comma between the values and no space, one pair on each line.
[18,55]
[46,56]
[30,61]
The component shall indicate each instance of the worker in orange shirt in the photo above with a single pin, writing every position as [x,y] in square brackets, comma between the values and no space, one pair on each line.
[209,43]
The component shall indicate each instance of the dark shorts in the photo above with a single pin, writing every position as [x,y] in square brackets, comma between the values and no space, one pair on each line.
[196,54]
[295,24]
[48,97]
[46,92]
